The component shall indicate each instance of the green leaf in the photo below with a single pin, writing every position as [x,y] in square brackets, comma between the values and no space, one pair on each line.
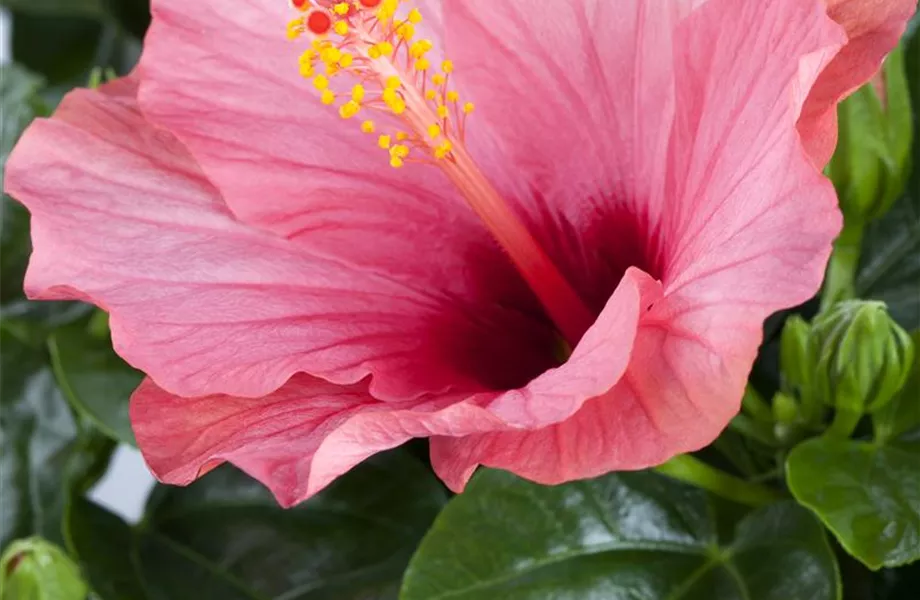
[34,569]
[635,536]
[97,381]
[868,495]
[44,450]
[903,414]
[224,537]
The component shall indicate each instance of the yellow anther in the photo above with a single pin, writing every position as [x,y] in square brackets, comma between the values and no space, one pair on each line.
[401,135]
[373,52]
[295,28]
[345,60]
[387,10]
[399,150]
[398,107]
[438,79]
[341,8]
[443,149]
[393,82]
[331,55]
[386,48]
[430,95]
[318,44]
[417,49]
[469,107]
[357,93]
[442,111]
[427,45]
[321,82]
[405,31]
[368,127]
[415,16]
[447,66]
[307,57]
[396,162]
[434,131]
[422,64]
[349,109]
[452,96]
[341,28]
[384,141]
[328,97]
[389,96]
[306,70]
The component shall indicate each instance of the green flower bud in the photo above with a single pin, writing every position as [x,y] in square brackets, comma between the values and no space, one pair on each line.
[861,356]
[872,161]
[793,356]
[785,409]
[33,569]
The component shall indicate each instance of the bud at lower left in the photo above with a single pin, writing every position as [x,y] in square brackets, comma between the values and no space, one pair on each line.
[34,569]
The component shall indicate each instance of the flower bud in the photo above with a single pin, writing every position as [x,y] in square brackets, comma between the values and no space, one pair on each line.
[872,161]
[861,356]
[793,356]
[33,569]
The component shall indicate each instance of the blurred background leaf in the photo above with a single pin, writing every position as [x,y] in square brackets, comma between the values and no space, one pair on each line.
[45,451]
[226,538]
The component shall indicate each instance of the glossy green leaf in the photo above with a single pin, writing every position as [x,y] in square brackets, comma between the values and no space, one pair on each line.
[97,381]
[868,495]
[44,450]
[628,536]
[224,537]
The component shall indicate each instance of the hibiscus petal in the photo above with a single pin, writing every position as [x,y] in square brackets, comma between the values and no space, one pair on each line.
[123,217]
[873,28]
[299,438]
[295,441]
[746,230]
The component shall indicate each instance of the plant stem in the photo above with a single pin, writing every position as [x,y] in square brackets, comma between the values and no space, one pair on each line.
[844,424]
[840,282]
[695,472]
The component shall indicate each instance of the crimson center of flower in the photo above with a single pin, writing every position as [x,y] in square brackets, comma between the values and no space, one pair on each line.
[394,76]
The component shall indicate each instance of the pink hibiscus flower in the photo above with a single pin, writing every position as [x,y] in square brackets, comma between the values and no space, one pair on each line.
[551,253]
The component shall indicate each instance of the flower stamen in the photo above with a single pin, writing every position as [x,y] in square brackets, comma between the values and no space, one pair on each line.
[393,67]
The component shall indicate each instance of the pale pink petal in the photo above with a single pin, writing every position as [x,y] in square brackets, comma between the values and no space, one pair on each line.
[296,440]
[123,217]
[873,29]
[746,230]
